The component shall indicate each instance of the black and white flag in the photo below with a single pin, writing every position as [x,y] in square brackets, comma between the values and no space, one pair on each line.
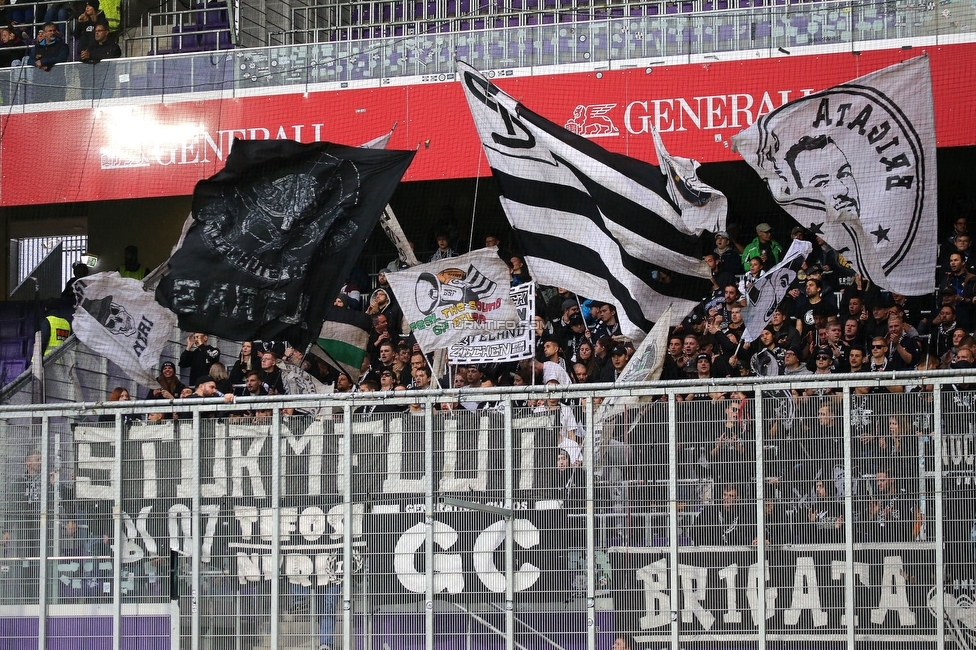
[122,322]
[453,298]
[600,224]
[274,236]
[856,164]
[702,206]
[766,293]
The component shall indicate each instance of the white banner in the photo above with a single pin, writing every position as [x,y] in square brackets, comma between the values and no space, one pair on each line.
[856,165]
[509,345]
[117,319]
[448,300]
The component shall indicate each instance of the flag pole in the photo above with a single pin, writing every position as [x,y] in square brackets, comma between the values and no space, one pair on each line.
[335,364]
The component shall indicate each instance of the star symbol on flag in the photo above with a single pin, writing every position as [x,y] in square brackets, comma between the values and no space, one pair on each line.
[816,228]
[881,234]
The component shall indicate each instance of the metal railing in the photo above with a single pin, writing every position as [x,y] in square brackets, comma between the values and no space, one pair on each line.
[836,514]
[641,40]
[183,30]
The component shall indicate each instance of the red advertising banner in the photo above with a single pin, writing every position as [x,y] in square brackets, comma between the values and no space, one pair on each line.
[146,150]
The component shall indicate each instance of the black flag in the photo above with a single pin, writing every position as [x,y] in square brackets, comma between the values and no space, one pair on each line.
[274,236]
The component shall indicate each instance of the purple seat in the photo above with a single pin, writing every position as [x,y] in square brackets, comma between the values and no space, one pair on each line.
[185,38]
[11,329]
[12,349]
[11,369]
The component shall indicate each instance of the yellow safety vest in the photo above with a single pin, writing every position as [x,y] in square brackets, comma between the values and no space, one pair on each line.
[60,330]
[138,274]
[111,9]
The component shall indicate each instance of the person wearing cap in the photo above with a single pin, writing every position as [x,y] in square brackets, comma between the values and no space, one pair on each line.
[823,360]
[574,337]
[726,254]
[703,366]
[764,247]
[90,17]
[792,364]
[170,386]
[554,303]
[618,361]
[560,326]
[877,322]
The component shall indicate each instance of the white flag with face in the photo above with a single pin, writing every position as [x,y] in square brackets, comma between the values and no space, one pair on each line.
[766,293]
[120,321]
[855,164]
[450,299]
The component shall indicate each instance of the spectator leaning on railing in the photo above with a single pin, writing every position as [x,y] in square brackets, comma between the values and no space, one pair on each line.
[102,48]
[49,49]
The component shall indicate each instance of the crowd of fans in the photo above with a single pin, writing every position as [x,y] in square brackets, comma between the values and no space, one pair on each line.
[68,31]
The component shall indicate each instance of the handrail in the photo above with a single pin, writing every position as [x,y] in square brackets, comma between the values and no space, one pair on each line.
[489,625]
[531,629]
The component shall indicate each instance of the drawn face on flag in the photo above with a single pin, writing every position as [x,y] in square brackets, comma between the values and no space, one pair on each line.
[817,162]
[848,165]
[767,298]
[112,316]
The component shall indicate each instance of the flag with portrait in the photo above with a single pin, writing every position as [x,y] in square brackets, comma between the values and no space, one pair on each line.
[855,164]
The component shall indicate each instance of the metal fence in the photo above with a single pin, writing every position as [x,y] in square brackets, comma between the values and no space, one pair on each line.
[638,40]
[831,514]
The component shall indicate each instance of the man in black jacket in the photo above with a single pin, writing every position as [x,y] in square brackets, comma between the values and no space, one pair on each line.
[199,356]
[102,48]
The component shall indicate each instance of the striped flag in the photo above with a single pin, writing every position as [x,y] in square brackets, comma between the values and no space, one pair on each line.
[702,206]
[600,224]
[342,340]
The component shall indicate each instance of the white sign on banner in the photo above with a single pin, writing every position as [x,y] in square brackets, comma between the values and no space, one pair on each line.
[507,345]
[446,300]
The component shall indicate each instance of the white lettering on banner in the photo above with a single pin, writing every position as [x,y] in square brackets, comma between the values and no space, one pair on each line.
[892,593]
[235,466]
[752,592]
[708,112]
[806,594]
[862,573]
[184,147]
[524,535]
[694,586]
[657,602]
[448,569]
